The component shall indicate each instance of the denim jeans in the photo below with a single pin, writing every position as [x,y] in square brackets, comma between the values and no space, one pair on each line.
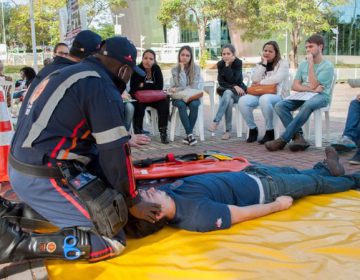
[188,121]
[249,102]
[227,101]
[293,125]
[129,114]
[278,181]
[352,126]
[162,108]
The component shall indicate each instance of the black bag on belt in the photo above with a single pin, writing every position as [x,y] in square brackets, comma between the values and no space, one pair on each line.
[106,206]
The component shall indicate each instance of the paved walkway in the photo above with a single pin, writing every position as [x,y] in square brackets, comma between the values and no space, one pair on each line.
[343,94]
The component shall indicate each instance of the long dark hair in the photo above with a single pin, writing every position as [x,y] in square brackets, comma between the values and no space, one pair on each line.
[29,74]
[277,52]
[191,67]
[152,52]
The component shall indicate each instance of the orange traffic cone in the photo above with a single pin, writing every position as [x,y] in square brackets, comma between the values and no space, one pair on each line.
[6,134]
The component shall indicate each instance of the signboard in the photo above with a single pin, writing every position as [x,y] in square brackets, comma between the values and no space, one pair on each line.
[72,21]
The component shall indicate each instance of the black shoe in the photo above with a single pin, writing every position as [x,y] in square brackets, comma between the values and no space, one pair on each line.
[269,136]
[163,135]
[191,140]
[253,135]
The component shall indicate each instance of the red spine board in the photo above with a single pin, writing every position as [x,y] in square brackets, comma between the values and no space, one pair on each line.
[183,169]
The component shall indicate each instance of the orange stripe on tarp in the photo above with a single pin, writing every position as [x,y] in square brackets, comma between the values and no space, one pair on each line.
[5,126]
[130,171]
[4,155]
[69,198]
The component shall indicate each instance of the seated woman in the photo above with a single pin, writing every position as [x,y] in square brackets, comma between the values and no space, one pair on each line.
[152,81]
[186,74]
[271,70]
[215,201]
[231,87]
[27,74]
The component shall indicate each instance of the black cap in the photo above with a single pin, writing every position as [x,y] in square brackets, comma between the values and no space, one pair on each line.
[123,50]
[85,43]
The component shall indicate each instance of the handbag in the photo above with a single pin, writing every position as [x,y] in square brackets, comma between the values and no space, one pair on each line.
[262,89]
[187,95]
[149,96]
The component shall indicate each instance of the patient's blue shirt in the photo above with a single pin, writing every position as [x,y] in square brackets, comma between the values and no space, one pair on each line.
[201,200]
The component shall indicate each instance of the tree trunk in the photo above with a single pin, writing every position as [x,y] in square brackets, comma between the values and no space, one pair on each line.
[201,32]
[295,41]
[235,36]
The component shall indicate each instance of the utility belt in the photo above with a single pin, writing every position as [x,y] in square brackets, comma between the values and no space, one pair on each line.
[106,206]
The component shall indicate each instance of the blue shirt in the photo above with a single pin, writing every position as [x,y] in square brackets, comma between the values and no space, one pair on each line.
[202,200]
[324,72]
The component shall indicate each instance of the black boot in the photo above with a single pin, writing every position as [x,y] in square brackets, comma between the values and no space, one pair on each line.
[253,134]
[269,136]
[24,216]
[163,135]
[16,245]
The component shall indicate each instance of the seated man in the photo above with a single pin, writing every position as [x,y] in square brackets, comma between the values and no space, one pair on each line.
[215,201]
[351,135]
[314,75]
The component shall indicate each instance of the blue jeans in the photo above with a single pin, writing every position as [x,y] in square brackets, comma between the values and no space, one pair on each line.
[352,126]
[278,181]
[293,125]
[227,101]
[188,121]
[248,103]
[129,114]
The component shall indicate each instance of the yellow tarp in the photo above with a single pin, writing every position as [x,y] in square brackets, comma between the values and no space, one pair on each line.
[318,238]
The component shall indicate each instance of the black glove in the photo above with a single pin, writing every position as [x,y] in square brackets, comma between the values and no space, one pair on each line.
[146,211]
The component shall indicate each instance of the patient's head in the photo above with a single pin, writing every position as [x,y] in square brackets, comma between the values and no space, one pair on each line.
[141,228]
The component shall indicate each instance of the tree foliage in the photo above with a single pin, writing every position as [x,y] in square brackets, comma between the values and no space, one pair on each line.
[46,15]
[178,11]
[261,19]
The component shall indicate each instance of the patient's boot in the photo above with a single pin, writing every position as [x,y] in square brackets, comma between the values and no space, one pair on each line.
[16,245]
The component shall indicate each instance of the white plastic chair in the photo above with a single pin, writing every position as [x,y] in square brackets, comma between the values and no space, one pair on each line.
[317,115]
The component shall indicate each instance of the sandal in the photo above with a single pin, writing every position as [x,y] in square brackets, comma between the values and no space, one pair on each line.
[213,127]
[226,136]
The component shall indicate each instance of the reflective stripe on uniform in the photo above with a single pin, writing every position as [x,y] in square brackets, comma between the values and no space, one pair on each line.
[46,113]
[72,156]
[110,135]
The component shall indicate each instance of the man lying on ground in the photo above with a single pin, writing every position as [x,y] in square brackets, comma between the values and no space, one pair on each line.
[215,201]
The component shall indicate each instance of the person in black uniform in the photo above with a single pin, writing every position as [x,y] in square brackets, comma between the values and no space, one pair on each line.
[70,161]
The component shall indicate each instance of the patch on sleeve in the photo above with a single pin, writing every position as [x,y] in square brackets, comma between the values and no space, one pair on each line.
[176,184]
[219,222]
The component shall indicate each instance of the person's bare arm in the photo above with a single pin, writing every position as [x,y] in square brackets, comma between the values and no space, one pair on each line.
[241,214]
[297,86]
[313,81]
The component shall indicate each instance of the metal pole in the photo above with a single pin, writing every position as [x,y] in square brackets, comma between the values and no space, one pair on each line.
[336,45]
[286,44]
[33,38]
[3,21]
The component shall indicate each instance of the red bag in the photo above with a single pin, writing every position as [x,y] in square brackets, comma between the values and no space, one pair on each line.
[149,96]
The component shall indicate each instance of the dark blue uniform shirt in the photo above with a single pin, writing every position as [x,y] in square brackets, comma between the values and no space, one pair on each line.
[201,201]
[77,114]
